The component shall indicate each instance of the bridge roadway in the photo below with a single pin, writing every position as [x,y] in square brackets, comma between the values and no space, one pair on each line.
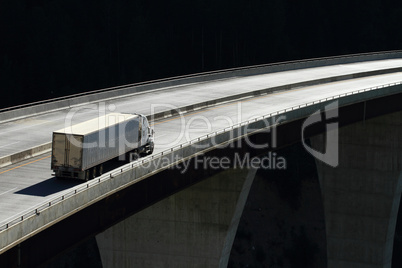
[19,135]
[26,185]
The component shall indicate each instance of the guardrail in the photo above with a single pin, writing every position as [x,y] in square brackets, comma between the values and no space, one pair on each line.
[128,167]
[59,103]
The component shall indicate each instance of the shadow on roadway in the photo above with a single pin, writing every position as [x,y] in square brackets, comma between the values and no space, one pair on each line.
[54,185]
[49,187]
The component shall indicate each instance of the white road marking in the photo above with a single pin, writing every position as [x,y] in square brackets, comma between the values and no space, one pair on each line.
[9,144]
[160,136]
[9,191]
[25,127]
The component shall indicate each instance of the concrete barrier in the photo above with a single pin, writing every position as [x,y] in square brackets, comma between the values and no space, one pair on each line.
[29,153]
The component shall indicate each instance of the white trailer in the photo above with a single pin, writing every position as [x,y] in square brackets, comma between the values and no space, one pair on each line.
[80,151]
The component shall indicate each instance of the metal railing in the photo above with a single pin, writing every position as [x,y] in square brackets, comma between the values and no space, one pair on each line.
[128,167]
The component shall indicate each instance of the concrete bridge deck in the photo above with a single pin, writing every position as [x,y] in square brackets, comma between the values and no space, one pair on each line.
[30,131]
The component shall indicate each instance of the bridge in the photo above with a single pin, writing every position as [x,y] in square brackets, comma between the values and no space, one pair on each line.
[183,205]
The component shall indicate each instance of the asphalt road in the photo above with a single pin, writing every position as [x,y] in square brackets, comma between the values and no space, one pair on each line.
[26,185]
[19,135]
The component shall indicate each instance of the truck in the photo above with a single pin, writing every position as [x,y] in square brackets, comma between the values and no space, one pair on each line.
[81,151]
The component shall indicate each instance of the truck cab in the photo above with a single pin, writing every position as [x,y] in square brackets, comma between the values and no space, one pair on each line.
[147,136]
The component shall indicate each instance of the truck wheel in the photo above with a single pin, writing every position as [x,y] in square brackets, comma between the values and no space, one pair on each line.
[133,156]
[151,149]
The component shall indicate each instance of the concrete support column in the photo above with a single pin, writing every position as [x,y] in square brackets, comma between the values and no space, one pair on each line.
[231,233]
[187,229]
[361,196]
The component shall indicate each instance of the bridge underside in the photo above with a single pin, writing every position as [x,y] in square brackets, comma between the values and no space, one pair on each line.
[361,196]
[85,224]
[314,215]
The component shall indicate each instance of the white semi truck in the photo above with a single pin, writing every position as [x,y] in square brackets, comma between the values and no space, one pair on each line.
[82,150]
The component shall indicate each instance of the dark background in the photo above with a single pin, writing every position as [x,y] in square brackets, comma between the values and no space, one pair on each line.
[52,48]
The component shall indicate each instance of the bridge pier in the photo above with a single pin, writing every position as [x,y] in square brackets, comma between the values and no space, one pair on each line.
[361,196]
[192,228]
